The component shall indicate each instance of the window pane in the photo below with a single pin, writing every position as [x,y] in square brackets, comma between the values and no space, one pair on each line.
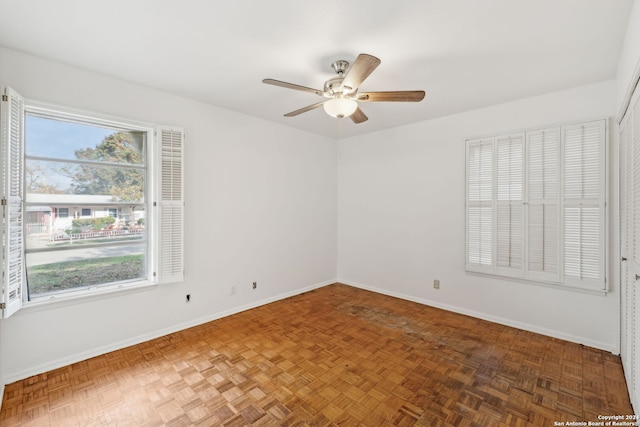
[48,227]
[77,267]
[50,179]
[59,139]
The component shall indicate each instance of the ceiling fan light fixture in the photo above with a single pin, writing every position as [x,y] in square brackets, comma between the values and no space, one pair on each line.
[340,107]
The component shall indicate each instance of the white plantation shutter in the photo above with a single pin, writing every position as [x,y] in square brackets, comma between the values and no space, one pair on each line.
[632,360]
[630,245]
[12,214]
[543,160]
[634,291]
[480,205]
[626,285]
[480,235]
[583,214]
[509,205]
[171,218]
[536,205]
[634,158]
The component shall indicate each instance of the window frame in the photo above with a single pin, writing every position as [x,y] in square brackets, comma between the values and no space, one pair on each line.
[54,112]
[60,214]
[525,274]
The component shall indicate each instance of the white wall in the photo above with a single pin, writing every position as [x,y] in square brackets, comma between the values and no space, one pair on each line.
[260,206]
[401,220]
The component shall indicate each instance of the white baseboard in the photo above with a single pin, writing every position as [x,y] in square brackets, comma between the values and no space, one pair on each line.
[484,316]
[1,393]
[65,361]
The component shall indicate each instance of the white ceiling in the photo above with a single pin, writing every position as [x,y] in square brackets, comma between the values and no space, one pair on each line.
[466,54]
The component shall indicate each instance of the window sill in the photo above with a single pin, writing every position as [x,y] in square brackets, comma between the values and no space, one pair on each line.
[554,285]
[85,295]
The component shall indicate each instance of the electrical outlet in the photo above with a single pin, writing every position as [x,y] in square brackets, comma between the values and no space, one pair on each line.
[234,289]
[188,297]
[255,285]
[436,284]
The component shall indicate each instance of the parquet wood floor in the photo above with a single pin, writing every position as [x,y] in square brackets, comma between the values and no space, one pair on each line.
[336,356]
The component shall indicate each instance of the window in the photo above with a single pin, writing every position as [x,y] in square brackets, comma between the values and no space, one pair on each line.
[81,162]
[535,205]
[92,203]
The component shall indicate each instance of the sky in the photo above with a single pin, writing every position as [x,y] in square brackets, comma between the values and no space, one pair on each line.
[59,139]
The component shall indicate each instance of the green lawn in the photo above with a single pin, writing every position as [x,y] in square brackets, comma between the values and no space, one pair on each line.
[73,274]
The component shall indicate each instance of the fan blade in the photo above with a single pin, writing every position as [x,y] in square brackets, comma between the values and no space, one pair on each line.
[292,86]
[397,96]
[359,70]
[304,110]
[359,116]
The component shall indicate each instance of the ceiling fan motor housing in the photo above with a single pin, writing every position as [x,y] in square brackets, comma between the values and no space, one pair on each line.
[340,66]
[334,86]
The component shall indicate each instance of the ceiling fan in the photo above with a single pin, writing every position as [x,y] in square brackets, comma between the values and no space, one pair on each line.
[342,91]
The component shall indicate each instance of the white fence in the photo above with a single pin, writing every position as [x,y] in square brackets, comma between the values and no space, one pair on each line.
[99,234]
